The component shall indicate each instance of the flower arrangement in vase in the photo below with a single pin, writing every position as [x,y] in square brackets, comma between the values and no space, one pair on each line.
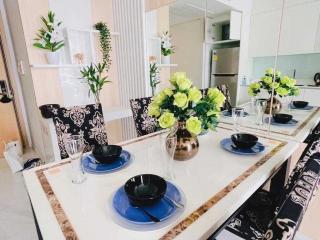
[166,48]
[183,108]
[283,86]
[50,38]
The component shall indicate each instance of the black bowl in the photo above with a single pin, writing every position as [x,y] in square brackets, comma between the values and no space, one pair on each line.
[145,189]
[282,118]
[106,153]
[300,104]
[244,140]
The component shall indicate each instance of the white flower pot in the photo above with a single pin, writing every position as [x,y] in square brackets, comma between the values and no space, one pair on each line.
[165,59]
[53,57]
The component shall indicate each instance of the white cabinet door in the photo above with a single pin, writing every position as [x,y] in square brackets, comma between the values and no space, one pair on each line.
[309,95]
[264,33]
[299,28]
[235,25]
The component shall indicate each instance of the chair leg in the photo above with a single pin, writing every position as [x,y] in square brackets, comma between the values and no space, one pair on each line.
[278,181]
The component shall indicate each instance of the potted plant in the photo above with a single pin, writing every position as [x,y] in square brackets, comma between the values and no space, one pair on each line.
[153,74]
[50,38]
[105,43]
[93,75]
[282,85]
[166,48]
[183,108]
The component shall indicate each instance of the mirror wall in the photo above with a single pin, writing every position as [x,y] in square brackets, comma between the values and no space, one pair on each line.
[217,43]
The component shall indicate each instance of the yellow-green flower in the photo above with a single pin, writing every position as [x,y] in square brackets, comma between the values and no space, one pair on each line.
[269,71]
[214,112]
[253,89]
[180,100]
[159,98]
[194,95]
[288,81]
[193,125]
[267,80]
[295,91]
[154,110]
[282,91]
[216,96]
[251,92]
[184,83]
[168,92]
[255,86]
[275,85]
[278,73]
[166,120]
[176,76]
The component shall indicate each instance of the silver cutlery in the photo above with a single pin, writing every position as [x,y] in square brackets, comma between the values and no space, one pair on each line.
[173,202]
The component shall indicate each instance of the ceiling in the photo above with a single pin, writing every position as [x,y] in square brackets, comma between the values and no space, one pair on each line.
[187,10]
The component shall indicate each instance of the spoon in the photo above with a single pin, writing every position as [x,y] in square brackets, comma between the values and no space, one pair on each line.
[173,202]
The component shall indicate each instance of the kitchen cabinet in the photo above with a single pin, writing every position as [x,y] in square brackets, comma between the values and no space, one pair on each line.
[264,33]
[300,32]
[309,94]
[299,28]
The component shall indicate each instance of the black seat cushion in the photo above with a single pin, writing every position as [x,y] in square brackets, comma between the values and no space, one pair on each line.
[143,122]
[85,120]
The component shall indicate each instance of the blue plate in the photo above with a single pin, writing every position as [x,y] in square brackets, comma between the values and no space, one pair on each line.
[162,209]
[226,113]
[228,145]
[305,108]
[292,122]
[90,166]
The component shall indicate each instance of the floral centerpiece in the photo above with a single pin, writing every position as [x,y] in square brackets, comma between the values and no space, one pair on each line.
[166,47]
[50,38]
[183,106]
[283,86]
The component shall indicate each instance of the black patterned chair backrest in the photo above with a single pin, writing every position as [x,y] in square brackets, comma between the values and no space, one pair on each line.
[143,122]
[226,92]
[290,214]
[80,120]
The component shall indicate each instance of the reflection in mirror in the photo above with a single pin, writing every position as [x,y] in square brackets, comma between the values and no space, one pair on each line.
[298,59]
[175,37]
[239,35]
[223,28]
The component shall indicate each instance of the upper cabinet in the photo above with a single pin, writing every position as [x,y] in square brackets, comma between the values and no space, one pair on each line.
[264,33]
[224,28]
[300,30]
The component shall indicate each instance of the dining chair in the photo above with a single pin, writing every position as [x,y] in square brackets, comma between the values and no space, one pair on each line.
[226,92]
[143,122]
[84,120]
[270,219]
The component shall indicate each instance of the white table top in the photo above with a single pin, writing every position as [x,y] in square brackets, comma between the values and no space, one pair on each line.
[215,183]
[307,120]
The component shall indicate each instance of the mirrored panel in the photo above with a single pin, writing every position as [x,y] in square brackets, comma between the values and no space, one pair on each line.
[296,89]
[242,45]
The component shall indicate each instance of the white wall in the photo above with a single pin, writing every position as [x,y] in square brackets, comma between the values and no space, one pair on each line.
[188,39]
[19,43]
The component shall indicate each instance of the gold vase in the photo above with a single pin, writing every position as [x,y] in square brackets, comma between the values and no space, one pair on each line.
[187,144]
[276,106]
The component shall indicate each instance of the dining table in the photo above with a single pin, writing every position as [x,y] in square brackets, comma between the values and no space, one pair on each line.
[214,184]
[306,121]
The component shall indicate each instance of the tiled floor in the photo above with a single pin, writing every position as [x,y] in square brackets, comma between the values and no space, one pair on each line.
[16,220]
